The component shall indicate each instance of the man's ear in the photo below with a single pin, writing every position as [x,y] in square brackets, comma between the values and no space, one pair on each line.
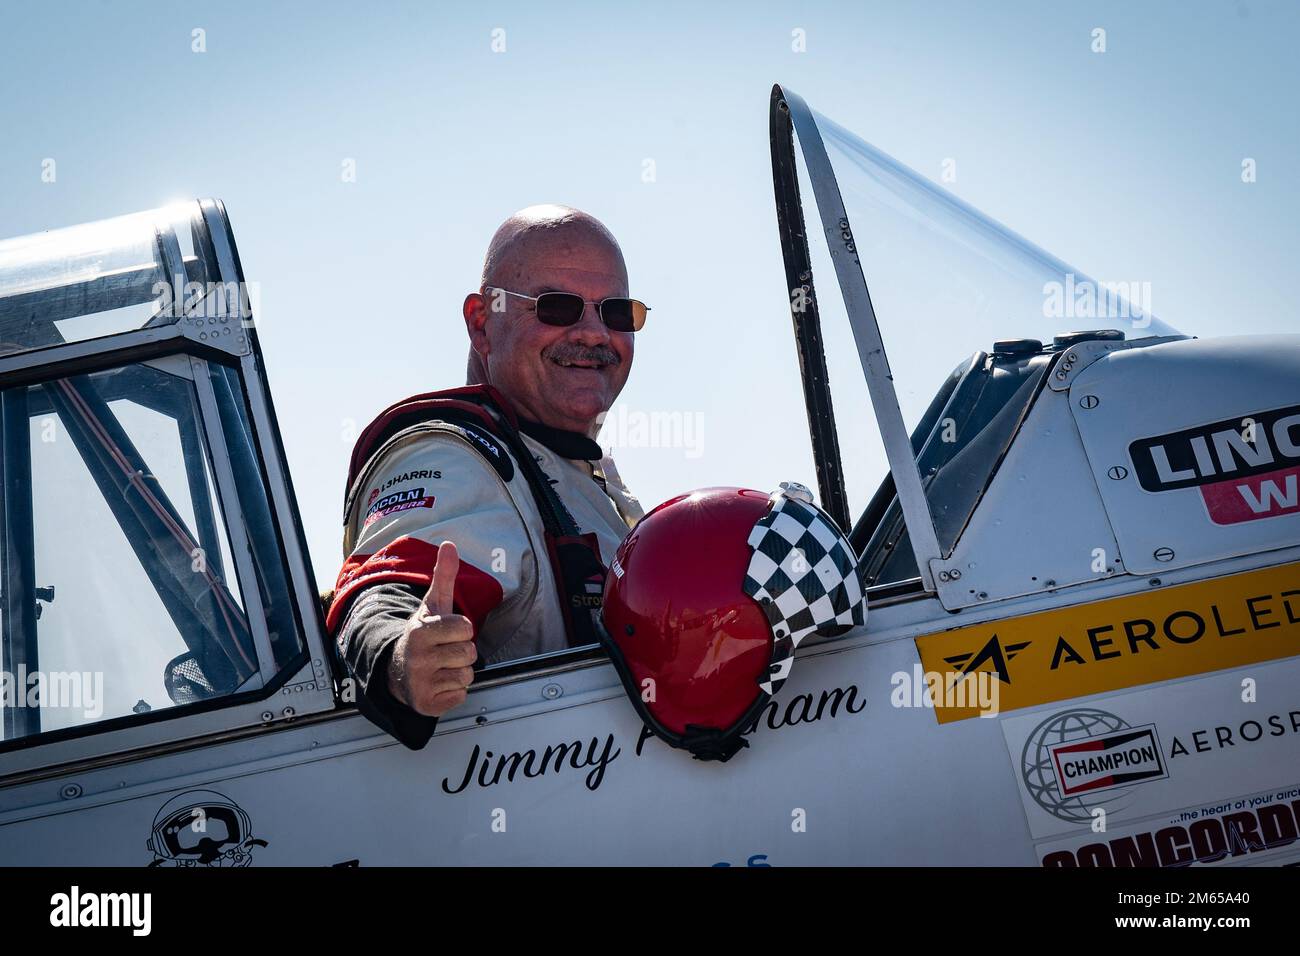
[476,316]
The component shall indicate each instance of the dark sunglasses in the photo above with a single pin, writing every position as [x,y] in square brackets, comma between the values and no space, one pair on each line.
[566,308]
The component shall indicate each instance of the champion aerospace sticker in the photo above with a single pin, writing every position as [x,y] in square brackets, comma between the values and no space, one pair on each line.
[1205,772]
[1107,761]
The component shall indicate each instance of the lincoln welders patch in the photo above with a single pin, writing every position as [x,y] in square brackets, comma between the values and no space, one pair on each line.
[398,501]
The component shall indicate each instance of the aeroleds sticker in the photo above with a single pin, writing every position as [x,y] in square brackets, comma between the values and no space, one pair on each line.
[1109,645]
[1245,468]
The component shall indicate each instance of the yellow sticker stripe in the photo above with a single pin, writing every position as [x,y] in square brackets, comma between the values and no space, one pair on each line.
[1108,645]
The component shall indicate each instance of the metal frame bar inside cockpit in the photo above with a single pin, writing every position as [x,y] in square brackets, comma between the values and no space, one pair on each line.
[791,115]
[200,605]
[17,564]
[128,382]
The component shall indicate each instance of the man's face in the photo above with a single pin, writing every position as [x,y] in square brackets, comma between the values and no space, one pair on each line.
[564,377]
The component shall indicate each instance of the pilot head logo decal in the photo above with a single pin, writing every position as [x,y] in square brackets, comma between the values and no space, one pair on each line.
[202,828]
[1077,761]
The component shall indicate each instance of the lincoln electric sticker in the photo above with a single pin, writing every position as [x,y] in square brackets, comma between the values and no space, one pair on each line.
[1205,772]
[1245,468]
[1105,646]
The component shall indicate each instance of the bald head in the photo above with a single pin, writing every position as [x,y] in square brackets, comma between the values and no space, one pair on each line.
[553,228]
[562,376]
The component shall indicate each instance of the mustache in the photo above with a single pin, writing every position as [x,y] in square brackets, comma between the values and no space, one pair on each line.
[572,352]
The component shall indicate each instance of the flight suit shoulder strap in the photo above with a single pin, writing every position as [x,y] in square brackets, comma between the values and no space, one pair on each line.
[479,416]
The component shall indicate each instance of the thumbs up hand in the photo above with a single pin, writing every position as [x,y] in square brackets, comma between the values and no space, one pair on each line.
[431,664]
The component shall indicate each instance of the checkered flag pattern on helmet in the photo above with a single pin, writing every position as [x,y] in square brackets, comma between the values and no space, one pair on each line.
[804,575]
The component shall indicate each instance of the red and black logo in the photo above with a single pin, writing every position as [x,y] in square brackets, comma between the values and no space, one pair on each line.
[1108,760]
[398,501]
[1246,468]
[396,498]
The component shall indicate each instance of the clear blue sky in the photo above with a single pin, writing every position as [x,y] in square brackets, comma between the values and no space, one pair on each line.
[1126,164]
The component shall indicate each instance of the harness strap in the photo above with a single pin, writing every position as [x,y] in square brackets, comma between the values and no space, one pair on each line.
[479,415]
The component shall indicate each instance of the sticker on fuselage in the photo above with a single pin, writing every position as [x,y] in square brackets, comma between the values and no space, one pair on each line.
[202,828]
[1202,772]
[1245,468]
[1109,645]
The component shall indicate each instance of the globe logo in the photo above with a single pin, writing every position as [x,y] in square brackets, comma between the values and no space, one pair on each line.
[1039,770]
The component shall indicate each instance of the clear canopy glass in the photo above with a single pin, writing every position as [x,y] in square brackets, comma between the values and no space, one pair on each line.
[85,281]
[947,280]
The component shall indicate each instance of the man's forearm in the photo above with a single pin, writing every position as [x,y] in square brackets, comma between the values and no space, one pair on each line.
[373,625]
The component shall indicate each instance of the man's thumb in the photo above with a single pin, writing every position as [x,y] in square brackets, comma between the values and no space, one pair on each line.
[438,599]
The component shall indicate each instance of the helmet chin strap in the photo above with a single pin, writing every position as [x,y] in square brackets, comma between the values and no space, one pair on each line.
[709,743]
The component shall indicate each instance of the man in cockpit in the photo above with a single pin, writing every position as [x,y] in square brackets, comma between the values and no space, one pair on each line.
[479,520]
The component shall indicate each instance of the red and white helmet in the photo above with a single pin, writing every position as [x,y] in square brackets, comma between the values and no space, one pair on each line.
[708,597]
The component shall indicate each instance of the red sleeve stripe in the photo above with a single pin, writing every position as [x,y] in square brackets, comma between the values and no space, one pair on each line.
[410,561]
